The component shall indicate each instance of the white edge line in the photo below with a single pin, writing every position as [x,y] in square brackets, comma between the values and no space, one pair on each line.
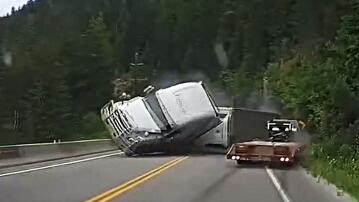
[52,143]
[60,164]
[277,185]
[333,188]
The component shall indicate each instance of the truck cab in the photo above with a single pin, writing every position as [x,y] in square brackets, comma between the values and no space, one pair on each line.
[282,130]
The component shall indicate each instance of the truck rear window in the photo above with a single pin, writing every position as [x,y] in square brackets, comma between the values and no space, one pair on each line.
[155,110]
[210,99]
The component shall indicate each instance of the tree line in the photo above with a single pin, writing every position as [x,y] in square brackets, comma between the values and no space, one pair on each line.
[324,91]
[59,58]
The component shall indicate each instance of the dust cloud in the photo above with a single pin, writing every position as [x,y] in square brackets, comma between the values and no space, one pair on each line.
[7,58]
[251,99]
[255,100]
[302,136]
[270,105]
[221,54]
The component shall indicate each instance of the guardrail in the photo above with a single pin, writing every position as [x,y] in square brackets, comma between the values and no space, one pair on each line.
[15,155]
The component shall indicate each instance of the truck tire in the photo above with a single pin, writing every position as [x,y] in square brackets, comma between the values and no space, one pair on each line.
[239,162]
[129,153]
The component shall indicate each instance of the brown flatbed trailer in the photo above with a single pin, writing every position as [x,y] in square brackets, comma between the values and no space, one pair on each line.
[278,153]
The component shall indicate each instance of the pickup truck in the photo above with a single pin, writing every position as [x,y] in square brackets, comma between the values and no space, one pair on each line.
[278,149]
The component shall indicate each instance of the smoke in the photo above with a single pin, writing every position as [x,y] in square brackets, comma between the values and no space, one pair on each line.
[302,136]
[270,105]
[262,101]
[167,79]
[219,96]
[7,58]
[171,78]
[251,98]
[221,54]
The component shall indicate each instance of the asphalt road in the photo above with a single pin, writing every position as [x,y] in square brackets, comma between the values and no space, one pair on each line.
[208,178]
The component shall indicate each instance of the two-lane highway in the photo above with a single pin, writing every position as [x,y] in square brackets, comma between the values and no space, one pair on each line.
[207,178]
[74,182]
[212,179]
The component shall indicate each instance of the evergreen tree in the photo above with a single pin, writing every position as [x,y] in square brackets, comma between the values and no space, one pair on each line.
[93,42]
[92,67]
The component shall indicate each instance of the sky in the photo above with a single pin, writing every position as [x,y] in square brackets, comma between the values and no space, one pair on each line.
[5,5]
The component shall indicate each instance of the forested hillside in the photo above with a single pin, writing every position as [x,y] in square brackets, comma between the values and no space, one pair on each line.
[60,56]
[325,92]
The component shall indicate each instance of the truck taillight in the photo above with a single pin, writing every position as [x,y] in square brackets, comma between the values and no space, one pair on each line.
[286,159]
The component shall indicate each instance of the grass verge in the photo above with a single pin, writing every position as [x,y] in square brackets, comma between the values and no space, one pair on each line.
[340,173]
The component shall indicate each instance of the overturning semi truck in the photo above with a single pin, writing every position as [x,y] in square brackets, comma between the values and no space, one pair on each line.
[183,116]
[163,119]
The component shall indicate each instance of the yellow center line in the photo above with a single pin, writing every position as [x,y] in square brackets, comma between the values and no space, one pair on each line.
[121,189]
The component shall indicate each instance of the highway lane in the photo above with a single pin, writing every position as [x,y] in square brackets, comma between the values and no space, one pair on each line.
[301,186]
[206,178]
[55,163]
[213,179]
[75,182]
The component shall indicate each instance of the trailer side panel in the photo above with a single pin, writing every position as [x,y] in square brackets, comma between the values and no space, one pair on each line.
[249,124]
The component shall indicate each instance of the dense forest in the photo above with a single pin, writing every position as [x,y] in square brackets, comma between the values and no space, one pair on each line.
[324,91]
[59,59]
